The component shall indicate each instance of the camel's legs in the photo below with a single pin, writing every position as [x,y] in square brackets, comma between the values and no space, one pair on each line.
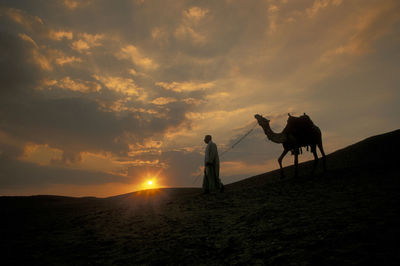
[314,152]
[296,163]
[321,149]
[280,161]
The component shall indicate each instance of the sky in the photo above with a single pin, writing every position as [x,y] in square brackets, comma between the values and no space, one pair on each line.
[97,97]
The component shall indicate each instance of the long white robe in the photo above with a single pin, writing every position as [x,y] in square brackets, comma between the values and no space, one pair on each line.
[211,179]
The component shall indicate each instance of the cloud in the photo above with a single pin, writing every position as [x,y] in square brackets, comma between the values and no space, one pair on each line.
[17,67]
[74,4]
[78,85]
[163,100]
[185,86]
[190,22]
[86,42]
[131,52]
[70,124]
[195,14]
[36,55]
[80,45]
[25,37]
[67,60]
[29,22]
[60,35]
[16,174]
[321,4]
[125,86]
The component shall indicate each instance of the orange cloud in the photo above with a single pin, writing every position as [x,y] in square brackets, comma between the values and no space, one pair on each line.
[41,154]
[321,4]
[37,56]
[372,23]
[160,35]
[29,22]
[125,86]
[163,100]
[67,60]
[59,35]
[195,14]
[87,42]
[185,86]
[189,26]
[78,85]
[27,38]
[131,52]
[74,4]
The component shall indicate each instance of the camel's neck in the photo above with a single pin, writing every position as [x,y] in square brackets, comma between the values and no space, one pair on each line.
[274,137]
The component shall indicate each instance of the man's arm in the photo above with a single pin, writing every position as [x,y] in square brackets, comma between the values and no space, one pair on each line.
[212,153]
[207,155]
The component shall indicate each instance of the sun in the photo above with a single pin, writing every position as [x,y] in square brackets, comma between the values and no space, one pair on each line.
[149,183]
[150,180]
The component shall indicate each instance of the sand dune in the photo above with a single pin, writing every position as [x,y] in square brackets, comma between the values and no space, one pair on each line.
[347,216]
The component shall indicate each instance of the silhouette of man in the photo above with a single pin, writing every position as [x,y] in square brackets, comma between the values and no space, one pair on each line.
[211,181]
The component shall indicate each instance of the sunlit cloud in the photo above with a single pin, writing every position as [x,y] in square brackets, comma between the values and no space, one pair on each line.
[71,4]
[359,37]
[121,85]
[189,27]
[132,53]
[319,5]
[193,101]
[87,42]
[60,35]
[185,86]
[74,4]
[21,17]
[67,60]
[78,85]
[195,14]
[36,54]
[160,35]
[41,154]
[80,45]
[163,100]
[27,38]
[148,147]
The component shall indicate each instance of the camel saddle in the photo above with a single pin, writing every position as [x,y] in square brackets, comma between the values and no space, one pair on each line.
[301,128]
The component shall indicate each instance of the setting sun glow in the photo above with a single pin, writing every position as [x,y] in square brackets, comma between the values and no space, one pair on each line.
[150,182]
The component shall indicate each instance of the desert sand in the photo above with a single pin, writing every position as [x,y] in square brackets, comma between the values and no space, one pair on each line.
[347,216]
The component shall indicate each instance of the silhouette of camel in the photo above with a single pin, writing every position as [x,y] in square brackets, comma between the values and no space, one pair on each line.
[299,132]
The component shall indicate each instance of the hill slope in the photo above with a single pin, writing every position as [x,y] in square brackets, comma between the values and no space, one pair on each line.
[348,216]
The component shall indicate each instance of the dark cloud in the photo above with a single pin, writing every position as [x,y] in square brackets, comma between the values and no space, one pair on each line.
[18,71]
[16,174]
[68,121]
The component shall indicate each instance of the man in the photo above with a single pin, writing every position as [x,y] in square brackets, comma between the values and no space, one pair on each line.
[211,181]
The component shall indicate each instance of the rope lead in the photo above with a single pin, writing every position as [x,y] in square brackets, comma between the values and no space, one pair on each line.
[233,146]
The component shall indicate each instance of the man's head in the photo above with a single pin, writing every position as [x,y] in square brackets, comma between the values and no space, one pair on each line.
[207,138]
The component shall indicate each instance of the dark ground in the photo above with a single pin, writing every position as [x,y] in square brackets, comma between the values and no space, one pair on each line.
[347,216]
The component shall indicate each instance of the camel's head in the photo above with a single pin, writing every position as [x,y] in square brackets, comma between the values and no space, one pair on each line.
[261,120]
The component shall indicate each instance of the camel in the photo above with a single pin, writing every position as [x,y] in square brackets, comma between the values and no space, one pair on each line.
[299,132]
